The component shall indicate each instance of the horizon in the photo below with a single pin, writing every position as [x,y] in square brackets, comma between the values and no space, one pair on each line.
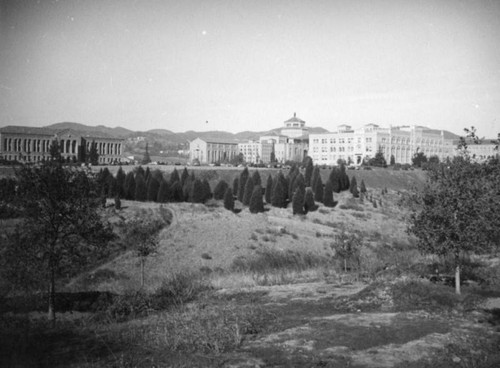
[238,66]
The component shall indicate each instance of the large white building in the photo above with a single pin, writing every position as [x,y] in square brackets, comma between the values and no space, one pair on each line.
[353,146]
[208,151]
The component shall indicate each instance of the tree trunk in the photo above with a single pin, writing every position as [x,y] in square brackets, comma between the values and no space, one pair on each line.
[52,299]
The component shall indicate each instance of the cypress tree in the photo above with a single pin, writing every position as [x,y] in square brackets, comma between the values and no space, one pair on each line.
[309,171]
[256,178]
[353,184]
[229,200]
[241,183]
[207,191]
[187,189]
[278,196]
[120,182]
[177,194]
[220,189]
[362,187]
[344,179]
[129,186]
[328,194]
[174,176]
[298,200]
[184,176]
[291,180]
[140,170]
[163,192]
[236,184]
[315,176]
[247,194]
[256,203]
[335,180]
[318,190]
[269,189]
[197,192]
[309,204]
[147,174]
[141,191]
[153,188]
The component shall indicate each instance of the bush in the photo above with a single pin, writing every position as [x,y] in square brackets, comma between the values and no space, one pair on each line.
[256,203]
[178,289]
[229,200]
[127,306]
[220,189]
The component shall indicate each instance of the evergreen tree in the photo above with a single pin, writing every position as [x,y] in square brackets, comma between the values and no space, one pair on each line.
[256,203]
[236,184]
[93,154]
[153,188]
[112,186]
[309,171]
[379,159]
[242,183]
[146,159]
[129,186]
[147,175]
[256,178]
[120,182]
[344,179]
[278,199]
[140,170]
[187,189]
[184,176]
[393,160]
[118,203]
[298,200]
[207,191]
[141,191]
[229,200]
[269,189]
[163,192]
[220,189]
[328,194]
[55,151]
[197,192]
[315,176]
[294,171]
[334,179]
[309,204]
[247,194]
[362,187]
[174,176]
[318,190]
[354,184]
[176,191]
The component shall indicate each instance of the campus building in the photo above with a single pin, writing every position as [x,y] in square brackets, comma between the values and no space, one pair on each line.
[208,151]
[353,146]
[28,144]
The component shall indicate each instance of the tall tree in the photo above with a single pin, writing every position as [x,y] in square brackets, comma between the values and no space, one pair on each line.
[309,171]
[328,194]
[197,192]
[61,219]
[256,202]
[241,183]
[278,199]
[418,159]
[146,159]
[256,178]
[93,154]
[458,210]
[174,176]
[309,204]
[153,188]
[247,194]
[164,194]
[229,200]
[298,200]
[318,190]
[141,190]
[55,151]
[315,176]
[184,176]
[129,186]
[269,188]
[120,181]
[220,189]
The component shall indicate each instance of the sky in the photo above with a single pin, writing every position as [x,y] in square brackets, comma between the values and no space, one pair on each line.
[238,65]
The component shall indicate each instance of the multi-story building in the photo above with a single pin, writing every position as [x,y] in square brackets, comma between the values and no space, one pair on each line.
[208,151]
[487,148]
[27,144]
[355,146]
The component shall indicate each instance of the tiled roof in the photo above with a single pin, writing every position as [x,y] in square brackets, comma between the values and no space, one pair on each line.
[295,119]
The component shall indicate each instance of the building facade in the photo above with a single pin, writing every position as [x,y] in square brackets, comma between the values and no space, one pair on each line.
[355,146]
[212,150]
[27,144]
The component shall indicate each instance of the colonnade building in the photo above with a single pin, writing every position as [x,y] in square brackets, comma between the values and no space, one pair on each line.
[355,146]
[28,144]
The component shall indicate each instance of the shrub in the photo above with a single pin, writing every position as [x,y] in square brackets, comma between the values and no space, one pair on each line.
[278,198]
[176,192]
[178,289]
[256,178]
[242,183]
[269,188]
[309,204]
[298,201]
[141,191]
[247,194]
[318,189]
[198,192]
[153,187]
[127,306]
[164,193]
[328,194]
[118,203]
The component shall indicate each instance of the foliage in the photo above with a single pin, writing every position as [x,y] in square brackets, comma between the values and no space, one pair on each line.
[120,182]
[207,191]
[316,175]
[318,189]
[393,160]
[256,178]
[153,188]
[236,184]
[418,159]
[129,186]
[197,192]
[278,198]
[269,189]
[164,193]
[220,189]
[176,191]
[229,200]
[242,182]
[309,171]
[93,154]
[174,176]
[247,194]
[256,203]
[362,187]
[61,223]
[379,159]
[146,159]
[298,200]
[347,248]
[458,210]
[141,190]
[328,194]
[309,204]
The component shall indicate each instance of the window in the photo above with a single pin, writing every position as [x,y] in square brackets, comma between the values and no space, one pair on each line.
[315,140]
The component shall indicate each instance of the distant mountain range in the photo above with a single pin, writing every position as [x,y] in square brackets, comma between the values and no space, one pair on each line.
[167,135]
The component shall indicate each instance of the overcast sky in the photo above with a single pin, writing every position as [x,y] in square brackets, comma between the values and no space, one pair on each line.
[249,65]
